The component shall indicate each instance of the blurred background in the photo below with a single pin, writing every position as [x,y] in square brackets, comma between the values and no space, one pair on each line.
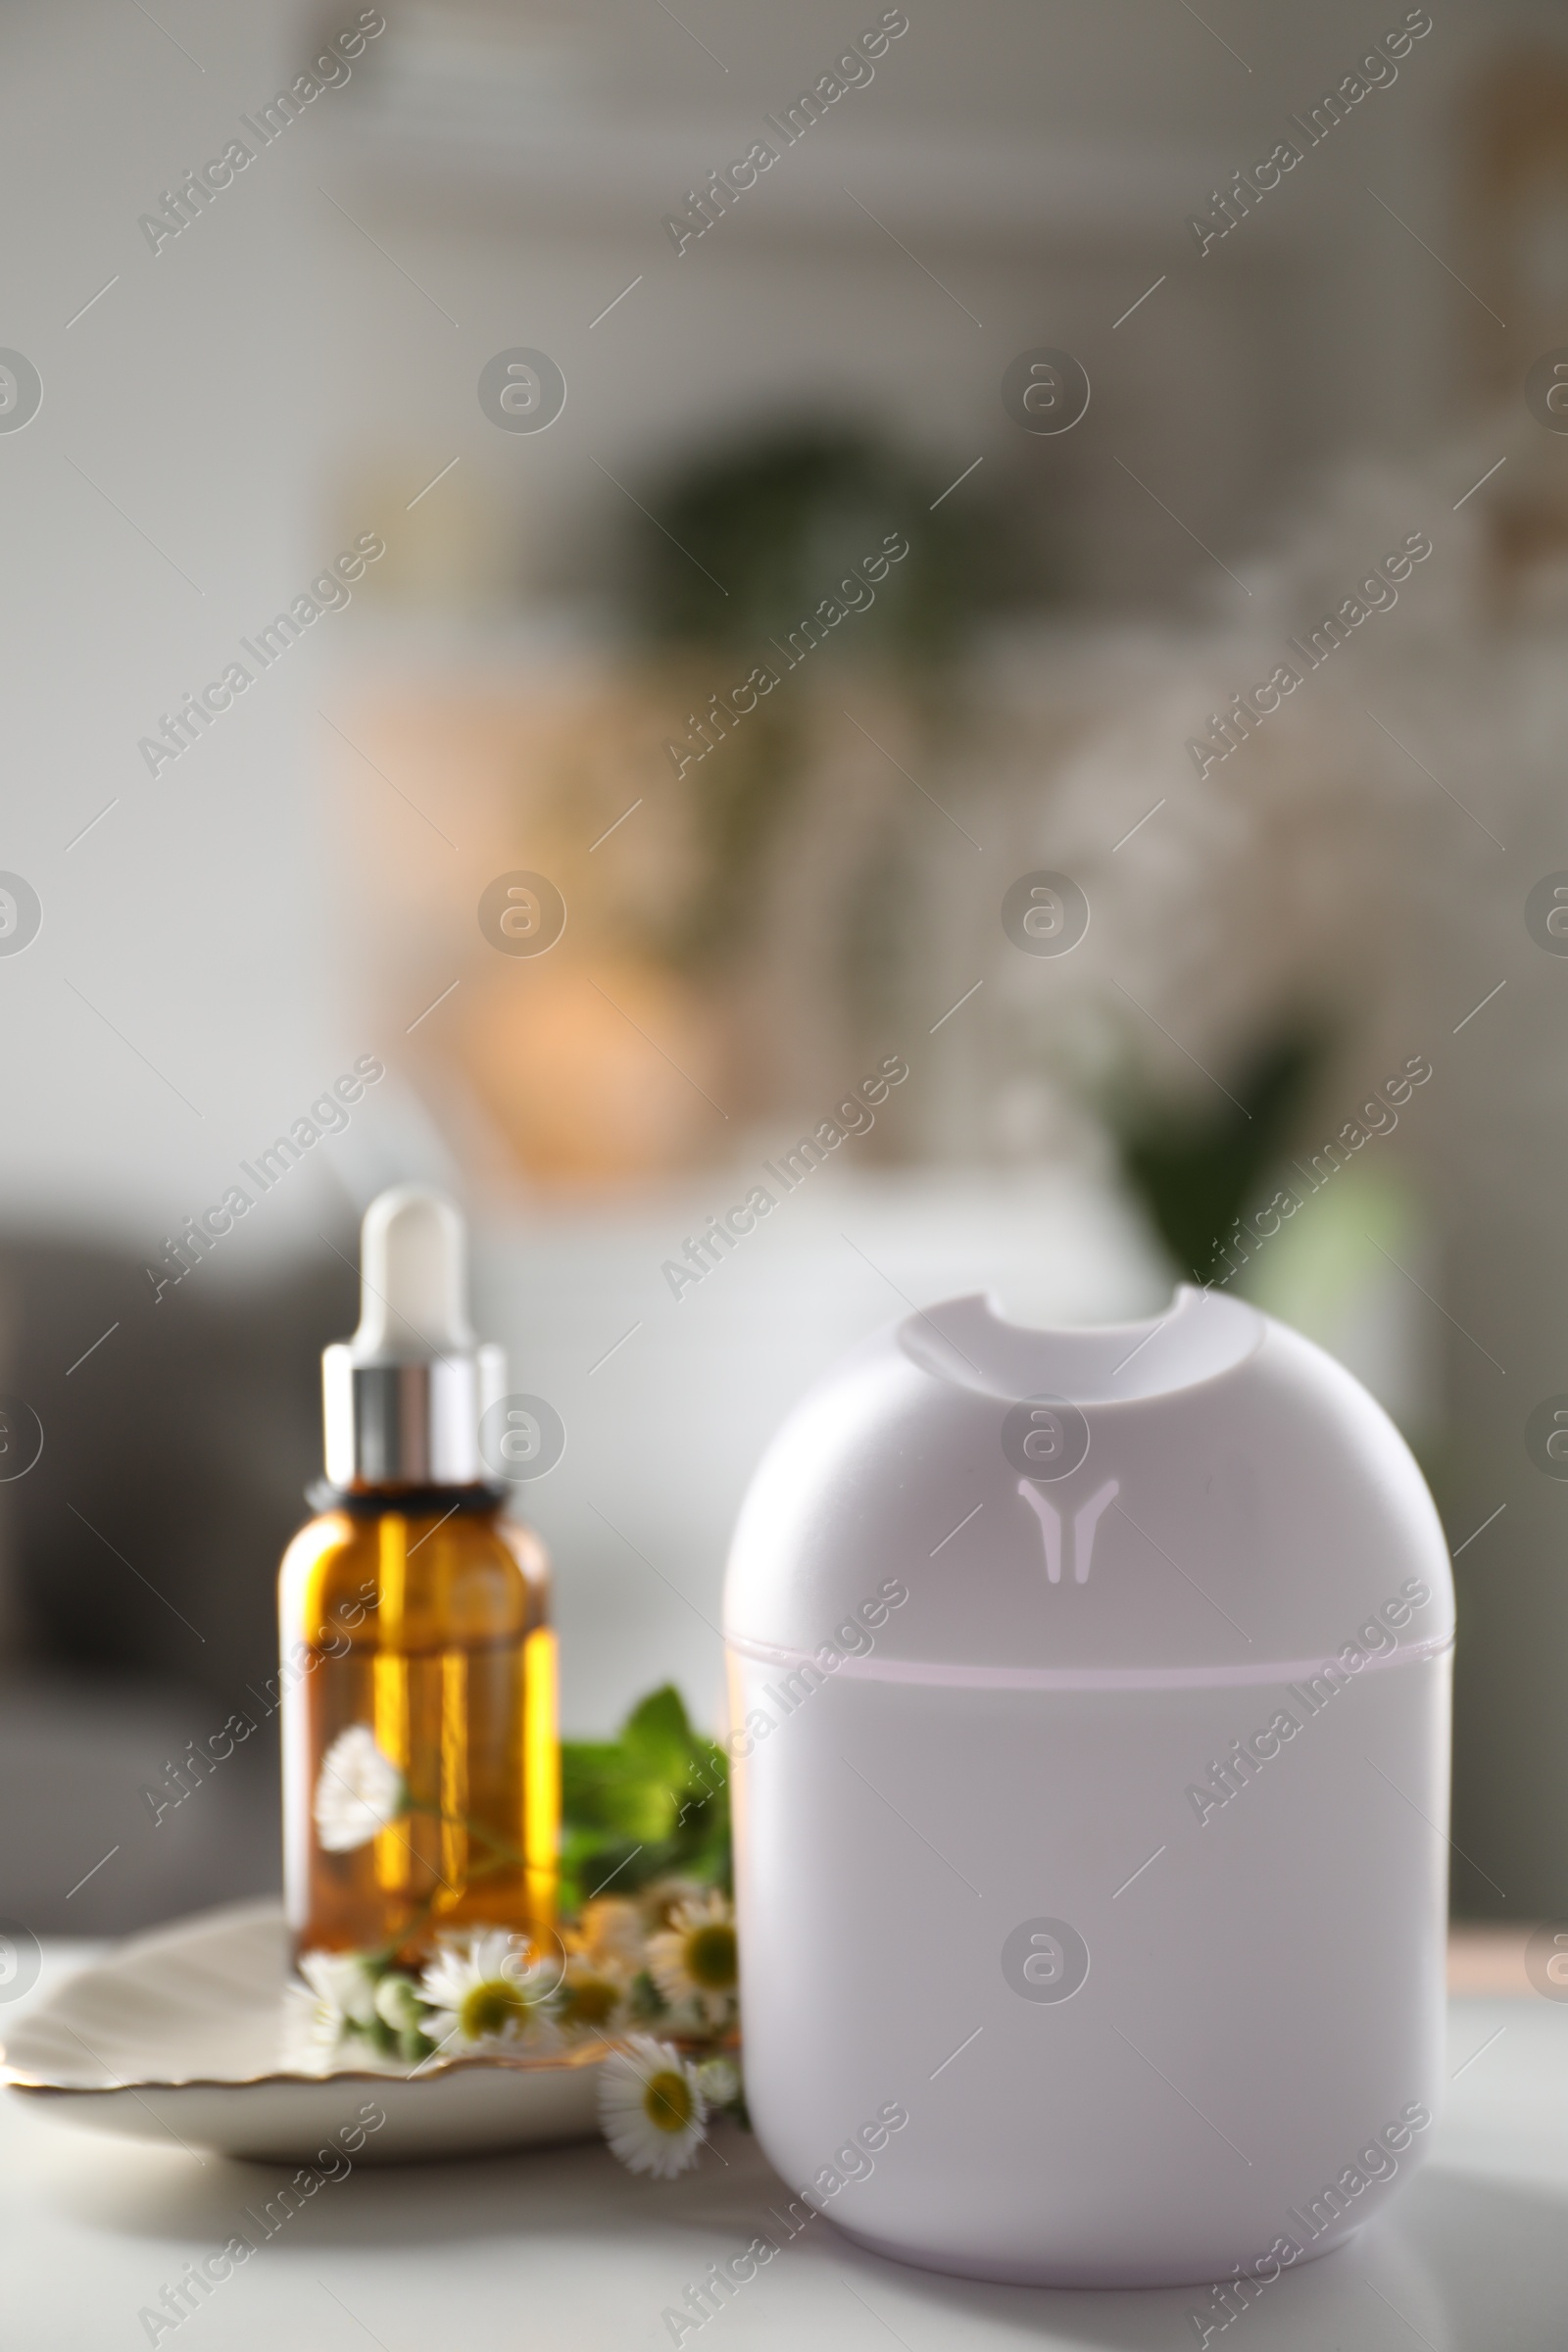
[730,398]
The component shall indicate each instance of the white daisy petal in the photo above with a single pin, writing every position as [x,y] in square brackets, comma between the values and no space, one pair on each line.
[309,2031]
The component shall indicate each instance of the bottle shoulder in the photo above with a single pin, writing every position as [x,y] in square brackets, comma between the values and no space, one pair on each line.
[460,1574]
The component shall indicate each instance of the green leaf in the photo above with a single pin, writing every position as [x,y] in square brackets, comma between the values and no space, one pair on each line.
[653,1803]
[1198,1169]
[657,1734]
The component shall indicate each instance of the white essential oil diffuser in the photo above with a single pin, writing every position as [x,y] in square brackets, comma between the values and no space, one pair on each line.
[1091,1693]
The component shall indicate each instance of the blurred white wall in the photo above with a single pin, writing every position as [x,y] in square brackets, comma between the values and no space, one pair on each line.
[164,502]
[231,410]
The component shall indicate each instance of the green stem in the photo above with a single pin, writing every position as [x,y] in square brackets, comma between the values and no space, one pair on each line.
[388,1951]
[474,1829]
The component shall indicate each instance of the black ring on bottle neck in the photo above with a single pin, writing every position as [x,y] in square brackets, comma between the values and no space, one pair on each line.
[410,1502]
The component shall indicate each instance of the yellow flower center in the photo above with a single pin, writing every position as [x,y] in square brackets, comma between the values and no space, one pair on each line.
[667,2101]
[491,2007]
[710,1958]
[591,1999]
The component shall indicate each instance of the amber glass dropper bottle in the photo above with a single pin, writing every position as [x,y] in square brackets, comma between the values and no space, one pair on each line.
[420,1765]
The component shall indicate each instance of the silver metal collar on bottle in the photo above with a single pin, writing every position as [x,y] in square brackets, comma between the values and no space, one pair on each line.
[412,1421]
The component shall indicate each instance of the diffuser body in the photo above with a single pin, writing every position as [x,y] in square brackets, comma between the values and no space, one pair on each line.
[1091,1702]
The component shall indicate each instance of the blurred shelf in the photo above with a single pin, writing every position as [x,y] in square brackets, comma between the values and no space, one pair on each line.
[625,173]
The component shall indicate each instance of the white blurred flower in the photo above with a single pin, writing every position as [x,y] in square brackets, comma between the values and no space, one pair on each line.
[719,2082]
[613,1932]
[357,1791]
[486,1993]
[592,1995]
[693,1961]
[652,2107]
[336,1998]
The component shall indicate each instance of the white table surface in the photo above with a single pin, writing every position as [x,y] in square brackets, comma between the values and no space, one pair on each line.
[562,2251]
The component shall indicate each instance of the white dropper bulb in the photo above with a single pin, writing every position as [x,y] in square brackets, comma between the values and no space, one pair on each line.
[414,1277]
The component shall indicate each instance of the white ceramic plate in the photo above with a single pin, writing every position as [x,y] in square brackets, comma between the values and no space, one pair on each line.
[174,2036]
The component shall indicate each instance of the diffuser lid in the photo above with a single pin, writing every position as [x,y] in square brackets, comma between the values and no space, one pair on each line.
[1204,1496]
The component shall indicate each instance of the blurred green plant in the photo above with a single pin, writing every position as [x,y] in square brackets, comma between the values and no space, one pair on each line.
[748,542]
[652,1804]
[1197,1169]
[775,521]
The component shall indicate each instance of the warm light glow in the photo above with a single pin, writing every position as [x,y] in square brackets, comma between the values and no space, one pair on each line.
[541,1773]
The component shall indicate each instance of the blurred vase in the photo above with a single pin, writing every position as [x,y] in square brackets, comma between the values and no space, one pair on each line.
[595,1072]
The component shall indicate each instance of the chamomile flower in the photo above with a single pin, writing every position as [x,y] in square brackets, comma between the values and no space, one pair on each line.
[486,1993]
[661,1899]
[610,1930]
[592,1995]
[359,1790]
[694,1963]
[652,2107]
[719,2082]
[337,1998]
